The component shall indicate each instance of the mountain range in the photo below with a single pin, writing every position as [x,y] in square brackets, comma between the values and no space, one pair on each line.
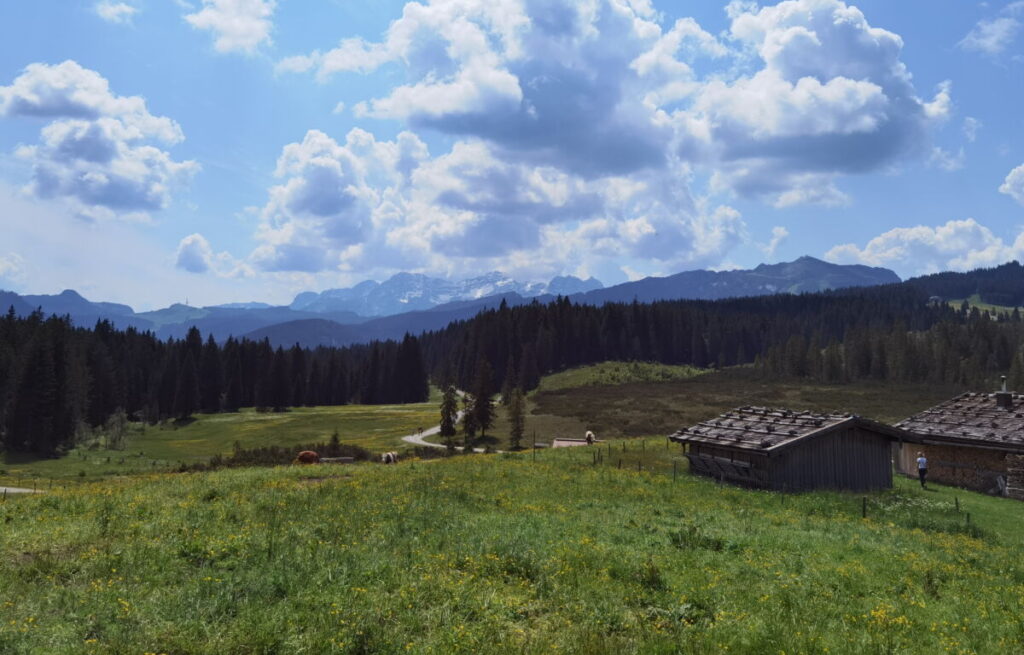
[406,292]
[415,303]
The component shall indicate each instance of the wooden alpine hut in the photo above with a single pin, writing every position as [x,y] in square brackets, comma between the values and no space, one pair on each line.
[792,451]
[975,440]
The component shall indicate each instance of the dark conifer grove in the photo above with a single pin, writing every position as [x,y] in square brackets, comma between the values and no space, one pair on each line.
[56,378]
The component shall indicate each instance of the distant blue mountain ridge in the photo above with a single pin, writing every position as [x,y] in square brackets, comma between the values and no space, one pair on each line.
[414,303]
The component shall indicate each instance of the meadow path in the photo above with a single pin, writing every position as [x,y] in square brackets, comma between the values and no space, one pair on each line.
[19,490]
[418,439]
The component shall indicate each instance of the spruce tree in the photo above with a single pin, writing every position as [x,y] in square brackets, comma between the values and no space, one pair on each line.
[511,380]
[517,418]
[449,414]
[30,426]
[186,394]
[469,424]
[280,398]
[211,380]
[483,403]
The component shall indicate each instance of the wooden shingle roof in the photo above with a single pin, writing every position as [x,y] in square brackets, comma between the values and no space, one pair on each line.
[767,429]
[971,418]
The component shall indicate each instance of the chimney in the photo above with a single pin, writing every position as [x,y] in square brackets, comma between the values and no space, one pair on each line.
[1004,399]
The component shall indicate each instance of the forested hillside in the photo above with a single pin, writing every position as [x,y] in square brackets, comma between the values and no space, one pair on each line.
[57,380]
[1001,285]
[891,332]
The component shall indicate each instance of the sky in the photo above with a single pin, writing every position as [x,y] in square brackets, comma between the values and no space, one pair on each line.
[153,151]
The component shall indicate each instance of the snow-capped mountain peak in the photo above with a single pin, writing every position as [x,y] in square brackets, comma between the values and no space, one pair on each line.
[405,292]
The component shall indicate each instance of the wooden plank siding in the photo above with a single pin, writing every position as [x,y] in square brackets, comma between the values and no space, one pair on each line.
[853,459]
[975,468]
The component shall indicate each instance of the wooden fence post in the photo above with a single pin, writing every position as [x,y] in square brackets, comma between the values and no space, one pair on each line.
[620,462]
[637,466]
[864,507]
[956,499]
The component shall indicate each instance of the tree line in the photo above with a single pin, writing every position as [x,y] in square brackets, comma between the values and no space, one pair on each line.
[58,381]
[892,332]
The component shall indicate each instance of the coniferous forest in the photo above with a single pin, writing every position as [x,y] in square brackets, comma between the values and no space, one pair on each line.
[56,378]
[893,332]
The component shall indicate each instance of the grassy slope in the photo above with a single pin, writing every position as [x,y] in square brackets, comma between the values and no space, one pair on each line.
[976,301]
[498,554]
[616,373]
[376,427]
[570,403]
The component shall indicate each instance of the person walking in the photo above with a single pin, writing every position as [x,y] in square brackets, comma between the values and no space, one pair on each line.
[922,468]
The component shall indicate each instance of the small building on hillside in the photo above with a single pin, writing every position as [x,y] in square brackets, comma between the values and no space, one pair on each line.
[975,441]
[792,451]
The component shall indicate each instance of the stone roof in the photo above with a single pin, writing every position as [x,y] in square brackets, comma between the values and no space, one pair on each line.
[972,417]
[761,428]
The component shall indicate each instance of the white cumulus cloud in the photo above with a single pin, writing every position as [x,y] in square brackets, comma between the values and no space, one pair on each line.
[957,245]
[831,97]
[115,12]
[238,25]
[97,152]
[194,254]
[578,128]
[1013,185]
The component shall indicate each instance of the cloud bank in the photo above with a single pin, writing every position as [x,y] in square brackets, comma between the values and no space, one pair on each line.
[578,129]
[96,152]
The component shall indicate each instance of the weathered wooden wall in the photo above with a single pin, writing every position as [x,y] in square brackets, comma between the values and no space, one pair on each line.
[852,460]
[978,469]
[1015,476]
[731,464]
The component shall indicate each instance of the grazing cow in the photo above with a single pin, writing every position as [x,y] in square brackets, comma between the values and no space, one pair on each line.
[307,457]
[590,438]
[389,458]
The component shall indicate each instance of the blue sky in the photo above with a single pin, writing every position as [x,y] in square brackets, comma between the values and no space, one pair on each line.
[228,150]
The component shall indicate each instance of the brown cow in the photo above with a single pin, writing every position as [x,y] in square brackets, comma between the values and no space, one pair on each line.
[307,457]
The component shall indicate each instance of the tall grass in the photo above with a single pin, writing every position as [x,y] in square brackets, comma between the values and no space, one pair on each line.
[497,554]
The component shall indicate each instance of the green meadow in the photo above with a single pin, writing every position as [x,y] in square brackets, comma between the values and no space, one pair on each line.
[622,400]
[555,552]
[159,447]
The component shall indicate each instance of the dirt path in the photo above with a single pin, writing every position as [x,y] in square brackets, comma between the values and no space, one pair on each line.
[418,439]
[19,490]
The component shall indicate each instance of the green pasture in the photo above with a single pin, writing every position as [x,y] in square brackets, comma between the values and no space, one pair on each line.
[568,404]
[616,373]
[159,447]
[976,301]
[559,551]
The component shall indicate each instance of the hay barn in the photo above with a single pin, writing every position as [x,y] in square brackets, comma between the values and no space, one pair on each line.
[792,451]
[975,441]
